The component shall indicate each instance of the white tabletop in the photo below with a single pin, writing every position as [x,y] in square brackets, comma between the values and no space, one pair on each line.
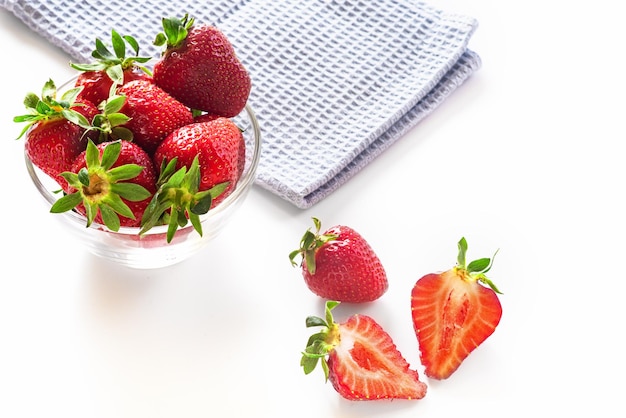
[526,157]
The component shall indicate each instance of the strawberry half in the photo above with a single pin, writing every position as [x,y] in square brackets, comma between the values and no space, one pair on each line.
[199,67]
[109,70]
[360,359]
[339,264]
[453,313]
[56,129]
[100,186]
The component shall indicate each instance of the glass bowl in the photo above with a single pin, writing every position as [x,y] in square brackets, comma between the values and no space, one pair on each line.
[151,250]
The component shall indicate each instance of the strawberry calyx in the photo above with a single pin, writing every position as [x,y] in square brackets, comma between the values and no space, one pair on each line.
[476,270]
[321,343]
[178,200]
[49,107]
[100,188]
[309,244]
[110,121]
[114,63]
[174,32]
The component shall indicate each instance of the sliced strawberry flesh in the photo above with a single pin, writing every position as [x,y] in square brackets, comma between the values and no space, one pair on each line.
[452,316]
[367,365]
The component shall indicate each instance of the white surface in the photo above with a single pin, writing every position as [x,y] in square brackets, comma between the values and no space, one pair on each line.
[526,157]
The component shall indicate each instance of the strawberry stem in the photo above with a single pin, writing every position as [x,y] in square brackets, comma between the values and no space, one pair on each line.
[114,63]
[309,244]
[174,31]
[48,106]
[100,189]
[177,200]
[321,343]
[477,269]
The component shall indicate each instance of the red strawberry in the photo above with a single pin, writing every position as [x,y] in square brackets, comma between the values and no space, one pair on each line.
[97,78]
[56,129]
[200,68]
[153,113]
[340,265]
[97,84]
[200,164]
[453,314]
[100,185]
[360,359]
[220,147]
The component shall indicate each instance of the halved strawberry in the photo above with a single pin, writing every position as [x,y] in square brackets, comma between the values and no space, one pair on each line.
[453,313]
[100,186]
[360,359]
[109,70]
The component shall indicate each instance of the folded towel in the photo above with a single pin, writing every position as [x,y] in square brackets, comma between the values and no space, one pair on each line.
[335,82]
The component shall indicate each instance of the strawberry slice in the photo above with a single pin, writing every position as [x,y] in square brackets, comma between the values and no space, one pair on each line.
[453,313]
[360,359]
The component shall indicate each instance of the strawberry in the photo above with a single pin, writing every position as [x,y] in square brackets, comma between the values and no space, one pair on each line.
[453,313]
[199,67]
[109,70]
[360,359]
[100,185]
[219,146]
[340,265]
[56,129]
[153,113]
[178,200]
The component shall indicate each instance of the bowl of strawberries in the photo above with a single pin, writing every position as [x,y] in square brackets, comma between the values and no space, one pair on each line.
[145,160]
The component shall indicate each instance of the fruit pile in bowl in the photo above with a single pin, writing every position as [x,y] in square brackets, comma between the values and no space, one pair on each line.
[145,160]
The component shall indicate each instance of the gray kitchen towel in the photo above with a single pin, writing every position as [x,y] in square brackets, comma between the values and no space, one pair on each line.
[335,83]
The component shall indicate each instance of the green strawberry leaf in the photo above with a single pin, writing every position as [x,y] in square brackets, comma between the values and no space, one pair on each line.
[477,269]
[177,200]
[130,191]
[320,344]
[107,197]
[82,177]
[47,107]
[125,172]
[478,265]
[174,31]
[66,203]
[315,321]
[309,244]
[110,218]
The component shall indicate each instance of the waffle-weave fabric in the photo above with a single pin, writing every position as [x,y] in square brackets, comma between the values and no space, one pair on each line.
[335,83]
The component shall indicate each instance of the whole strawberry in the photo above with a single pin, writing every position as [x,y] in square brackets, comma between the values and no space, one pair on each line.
[199,67]
[110,183]
[360,359]
[219,146]
[453,313]
[109,70]
[56,129]
[340,265]
[153,113]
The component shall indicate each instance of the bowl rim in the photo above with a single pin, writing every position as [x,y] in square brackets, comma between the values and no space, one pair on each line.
[243,185]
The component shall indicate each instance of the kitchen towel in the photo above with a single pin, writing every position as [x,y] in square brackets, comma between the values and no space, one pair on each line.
[335,82]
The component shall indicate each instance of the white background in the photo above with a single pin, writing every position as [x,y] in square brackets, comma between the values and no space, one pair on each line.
[526,157]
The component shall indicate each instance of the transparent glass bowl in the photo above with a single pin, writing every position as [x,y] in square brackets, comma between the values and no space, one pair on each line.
[151,250]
